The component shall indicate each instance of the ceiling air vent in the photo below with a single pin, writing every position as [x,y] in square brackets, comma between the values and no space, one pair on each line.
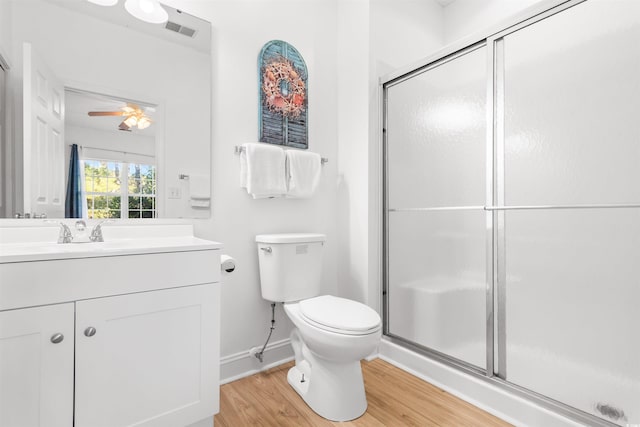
[181,29]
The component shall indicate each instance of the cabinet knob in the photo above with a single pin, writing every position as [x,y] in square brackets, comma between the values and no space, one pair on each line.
[57,338]
[90,331]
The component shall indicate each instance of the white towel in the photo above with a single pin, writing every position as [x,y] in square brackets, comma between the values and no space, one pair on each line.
[264,175]
[303,173]
[243,167]
[200,203]
[199,186]
[199,191]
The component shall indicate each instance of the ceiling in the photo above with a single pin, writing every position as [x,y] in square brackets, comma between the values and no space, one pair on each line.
[201,41]
[445,3]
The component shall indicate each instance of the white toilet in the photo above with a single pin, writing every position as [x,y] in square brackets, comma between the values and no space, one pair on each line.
[331,335]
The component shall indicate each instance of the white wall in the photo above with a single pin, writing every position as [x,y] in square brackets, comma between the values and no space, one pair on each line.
[5,28]
[352,118]
[124,142]
[403,31]
[240,29]
[465,17]
[339,41]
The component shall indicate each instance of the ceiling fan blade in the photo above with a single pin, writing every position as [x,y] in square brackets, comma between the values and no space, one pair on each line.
[107,113]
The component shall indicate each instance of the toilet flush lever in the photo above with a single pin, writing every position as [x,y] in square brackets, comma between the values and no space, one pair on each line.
[267,249]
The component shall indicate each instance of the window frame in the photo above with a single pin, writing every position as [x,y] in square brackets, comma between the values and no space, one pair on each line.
[124,194]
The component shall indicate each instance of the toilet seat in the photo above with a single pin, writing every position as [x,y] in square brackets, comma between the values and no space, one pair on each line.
[339,315]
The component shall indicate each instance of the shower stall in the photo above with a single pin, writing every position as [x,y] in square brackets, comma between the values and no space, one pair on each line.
[512,209]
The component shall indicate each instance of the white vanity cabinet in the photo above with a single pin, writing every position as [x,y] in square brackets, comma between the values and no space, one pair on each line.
[117,337]
[36,366]
[146,359]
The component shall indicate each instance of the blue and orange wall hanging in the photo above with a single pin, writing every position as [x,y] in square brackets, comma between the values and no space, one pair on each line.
[284,100]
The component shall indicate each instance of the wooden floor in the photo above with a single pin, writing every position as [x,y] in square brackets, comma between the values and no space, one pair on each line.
[395,398]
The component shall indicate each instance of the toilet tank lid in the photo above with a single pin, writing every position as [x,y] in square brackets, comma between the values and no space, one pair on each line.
[291,238]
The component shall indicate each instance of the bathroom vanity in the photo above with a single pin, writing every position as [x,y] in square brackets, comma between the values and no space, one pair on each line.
[118,333]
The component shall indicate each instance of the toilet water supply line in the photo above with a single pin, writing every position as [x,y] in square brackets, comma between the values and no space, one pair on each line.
[260,354]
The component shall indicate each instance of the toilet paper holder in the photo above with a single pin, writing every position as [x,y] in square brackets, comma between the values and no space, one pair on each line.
[227,264]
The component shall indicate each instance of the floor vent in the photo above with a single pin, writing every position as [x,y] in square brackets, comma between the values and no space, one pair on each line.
[180,29]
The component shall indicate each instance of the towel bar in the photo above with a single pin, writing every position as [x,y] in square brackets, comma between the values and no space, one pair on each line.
[239,149]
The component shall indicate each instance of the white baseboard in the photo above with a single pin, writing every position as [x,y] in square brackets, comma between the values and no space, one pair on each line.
[240,365]
[507,406]
[243,364]
[206,422]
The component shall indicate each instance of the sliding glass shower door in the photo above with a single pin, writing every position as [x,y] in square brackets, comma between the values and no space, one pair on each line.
[436,224]
[512,209]
[570,274]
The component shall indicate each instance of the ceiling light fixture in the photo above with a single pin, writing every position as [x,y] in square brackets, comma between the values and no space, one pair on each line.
[131,121]
[144,122]
[150,11]
[104,2]
[133,116]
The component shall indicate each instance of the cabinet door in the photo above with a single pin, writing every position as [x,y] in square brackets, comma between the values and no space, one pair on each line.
[36,373]
[152,361]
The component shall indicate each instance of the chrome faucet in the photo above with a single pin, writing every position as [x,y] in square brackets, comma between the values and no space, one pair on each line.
[96,233]
[81,225]
[65,235]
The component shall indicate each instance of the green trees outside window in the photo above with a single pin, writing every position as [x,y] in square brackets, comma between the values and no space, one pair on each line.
[109,183]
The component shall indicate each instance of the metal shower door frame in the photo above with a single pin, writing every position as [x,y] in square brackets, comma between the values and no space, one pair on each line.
[495,208]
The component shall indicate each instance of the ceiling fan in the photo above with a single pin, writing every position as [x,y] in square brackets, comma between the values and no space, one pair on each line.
[133,116]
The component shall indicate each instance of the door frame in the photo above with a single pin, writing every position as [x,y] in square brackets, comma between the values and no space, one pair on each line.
[5,150]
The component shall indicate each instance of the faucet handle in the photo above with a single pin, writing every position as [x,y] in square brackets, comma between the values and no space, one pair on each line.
[96,233]
[65,235]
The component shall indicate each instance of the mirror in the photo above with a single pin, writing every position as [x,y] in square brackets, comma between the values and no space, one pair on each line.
[116,144]
[105,60]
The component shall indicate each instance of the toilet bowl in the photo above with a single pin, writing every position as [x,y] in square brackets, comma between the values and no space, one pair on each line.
[331,334]
[329,358]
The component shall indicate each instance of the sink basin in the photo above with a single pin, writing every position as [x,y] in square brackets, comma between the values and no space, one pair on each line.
[29,241]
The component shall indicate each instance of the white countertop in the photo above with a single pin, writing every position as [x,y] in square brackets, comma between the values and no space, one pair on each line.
[33,240]
[38,251]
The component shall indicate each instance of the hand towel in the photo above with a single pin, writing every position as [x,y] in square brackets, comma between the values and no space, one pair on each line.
[265,170]
[200,203]
[199,191]
[199,187]
[303,173]
[243,167]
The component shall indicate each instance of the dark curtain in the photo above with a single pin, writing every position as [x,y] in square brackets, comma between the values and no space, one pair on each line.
[73,201]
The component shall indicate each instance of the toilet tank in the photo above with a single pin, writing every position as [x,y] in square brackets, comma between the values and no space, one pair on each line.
[290,265]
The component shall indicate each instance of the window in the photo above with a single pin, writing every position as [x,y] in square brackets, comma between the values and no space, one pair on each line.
[119,189]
